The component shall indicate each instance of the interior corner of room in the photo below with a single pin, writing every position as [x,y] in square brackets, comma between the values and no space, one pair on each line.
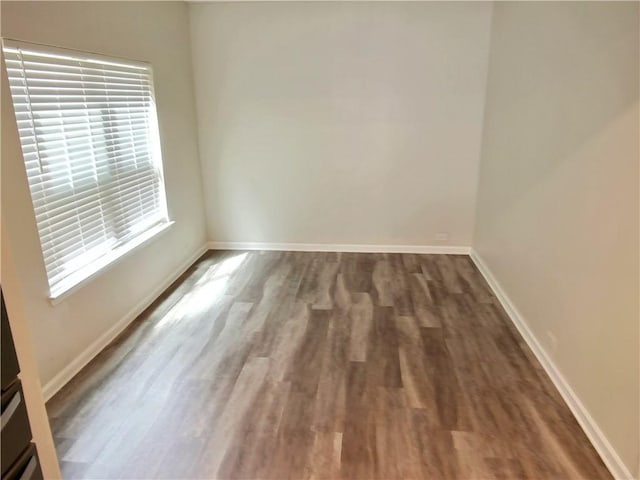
[497,142]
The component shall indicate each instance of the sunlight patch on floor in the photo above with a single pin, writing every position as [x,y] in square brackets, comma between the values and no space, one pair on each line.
[205,293]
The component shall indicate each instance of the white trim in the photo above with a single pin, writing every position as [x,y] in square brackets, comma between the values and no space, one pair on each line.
[83,276]
[580,412]
[332,247]
[71,370]
[84,55]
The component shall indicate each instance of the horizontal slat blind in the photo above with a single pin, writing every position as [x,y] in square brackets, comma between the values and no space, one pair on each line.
[89,136]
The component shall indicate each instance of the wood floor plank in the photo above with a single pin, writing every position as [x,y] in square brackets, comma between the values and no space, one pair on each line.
[320,366]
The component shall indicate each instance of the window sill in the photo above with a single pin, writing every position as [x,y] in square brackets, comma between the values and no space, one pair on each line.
[85,275]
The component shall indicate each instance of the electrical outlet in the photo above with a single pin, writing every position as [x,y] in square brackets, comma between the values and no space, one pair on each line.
[553,341]
[442,237]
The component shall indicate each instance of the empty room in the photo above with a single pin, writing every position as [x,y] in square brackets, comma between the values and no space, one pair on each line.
[320,240]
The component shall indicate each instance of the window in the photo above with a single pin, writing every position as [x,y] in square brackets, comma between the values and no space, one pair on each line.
[90,142]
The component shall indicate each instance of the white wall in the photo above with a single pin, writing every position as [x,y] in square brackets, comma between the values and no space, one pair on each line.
[157,32]
[340,123]
[557,219]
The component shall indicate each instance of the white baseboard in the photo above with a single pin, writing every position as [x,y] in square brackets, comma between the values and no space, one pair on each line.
[350,248]
[63,377]
[596,436]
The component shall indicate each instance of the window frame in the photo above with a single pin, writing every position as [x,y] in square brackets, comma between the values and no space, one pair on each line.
[126,244]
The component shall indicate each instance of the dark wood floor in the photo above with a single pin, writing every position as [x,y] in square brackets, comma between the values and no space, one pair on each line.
[274,365]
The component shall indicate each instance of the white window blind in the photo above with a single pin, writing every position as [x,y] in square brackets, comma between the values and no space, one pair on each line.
[89,136]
